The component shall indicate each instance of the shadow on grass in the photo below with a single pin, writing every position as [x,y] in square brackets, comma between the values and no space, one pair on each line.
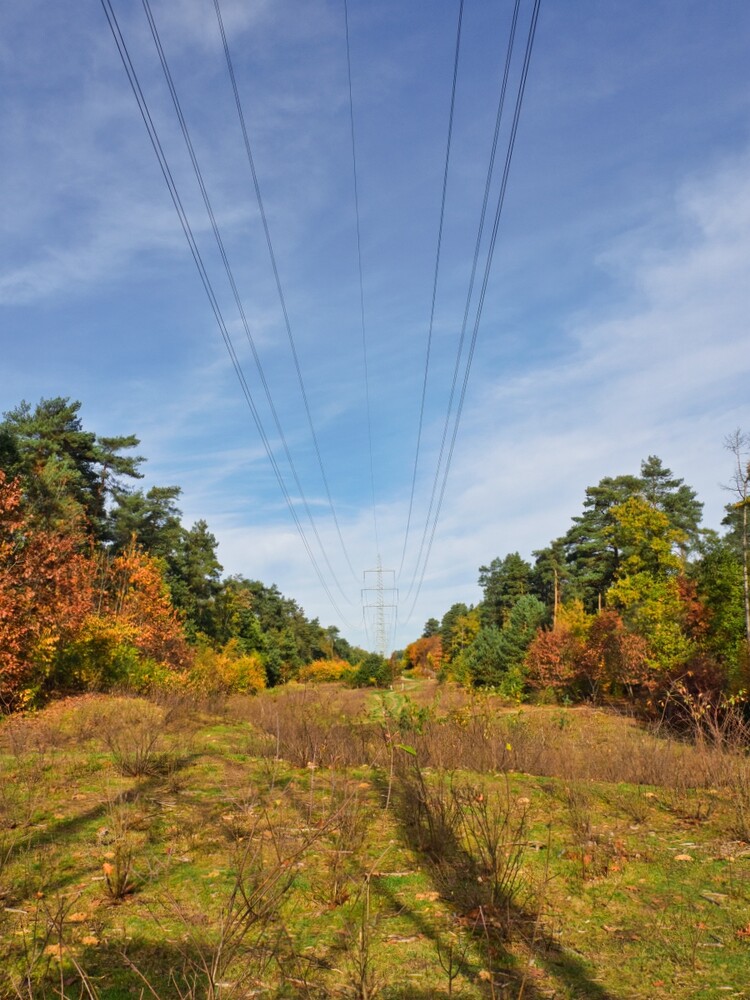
[453,876]
[107,972]
[169,969]
[59,832]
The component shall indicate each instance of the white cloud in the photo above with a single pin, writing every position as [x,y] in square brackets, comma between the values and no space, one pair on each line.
[661,368]
[665,373]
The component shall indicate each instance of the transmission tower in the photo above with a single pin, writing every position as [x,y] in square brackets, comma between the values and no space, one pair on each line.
[381,601]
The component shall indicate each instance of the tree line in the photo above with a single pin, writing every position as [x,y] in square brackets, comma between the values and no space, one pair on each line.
[101,582]
[636,599]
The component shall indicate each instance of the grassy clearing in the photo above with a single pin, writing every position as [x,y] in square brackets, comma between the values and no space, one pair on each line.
[325,842]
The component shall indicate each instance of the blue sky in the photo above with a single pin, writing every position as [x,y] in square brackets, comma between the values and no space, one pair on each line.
[615,324]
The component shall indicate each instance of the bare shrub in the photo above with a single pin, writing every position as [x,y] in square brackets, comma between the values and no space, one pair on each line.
[42,957]
[452,951]
[429,811]
[579,806]
[225,958]
[634,801]
[120,878]
[473,836]
[494,826]
[133,731]
[179,707]
[363,980]
[320,725]
[739,786]
[347,829]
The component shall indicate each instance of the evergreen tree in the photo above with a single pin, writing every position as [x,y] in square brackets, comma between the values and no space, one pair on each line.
[590,551]
[496,656]
[432,627]
[672,497]
[68,474]
[503,582]
[550,575]
[194,577]
[150,519]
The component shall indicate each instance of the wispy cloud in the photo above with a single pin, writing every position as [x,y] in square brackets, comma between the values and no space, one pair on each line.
[615,325]
[630,384]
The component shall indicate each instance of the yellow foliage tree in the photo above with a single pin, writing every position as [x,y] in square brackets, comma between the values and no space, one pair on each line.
[646,588]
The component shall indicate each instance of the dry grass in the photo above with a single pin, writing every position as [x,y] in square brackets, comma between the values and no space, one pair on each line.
[522,852]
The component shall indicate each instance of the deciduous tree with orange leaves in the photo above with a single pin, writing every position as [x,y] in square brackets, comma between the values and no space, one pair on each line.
[46,591]
[425,655]
[138,597]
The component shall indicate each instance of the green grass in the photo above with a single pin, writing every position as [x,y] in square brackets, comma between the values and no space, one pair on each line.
[117,886]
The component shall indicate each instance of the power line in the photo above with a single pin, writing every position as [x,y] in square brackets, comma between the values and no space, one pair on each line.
[485,281]
[470,291]
[230,276]
[206,281]
[434,282]
[274,266]
[361,283]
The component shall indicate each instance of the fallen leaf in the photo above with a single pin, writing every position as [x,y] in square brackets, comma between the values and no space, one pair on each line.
[683,857]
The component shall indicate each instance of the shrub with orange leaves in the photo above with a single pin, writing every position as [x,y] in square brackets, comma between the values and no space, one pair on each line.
[553,659]
[615,657]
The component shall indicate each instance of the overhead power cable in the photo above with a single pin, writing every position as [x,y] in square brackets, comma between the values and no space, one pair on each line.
[206,282]
[434,282]
[230,276]
[277,278]
[361,282]
[470,291]
[483,292]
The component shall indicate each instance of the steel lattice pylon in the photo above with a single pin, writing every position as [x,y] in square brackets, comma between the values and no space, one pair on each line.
[382,601]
